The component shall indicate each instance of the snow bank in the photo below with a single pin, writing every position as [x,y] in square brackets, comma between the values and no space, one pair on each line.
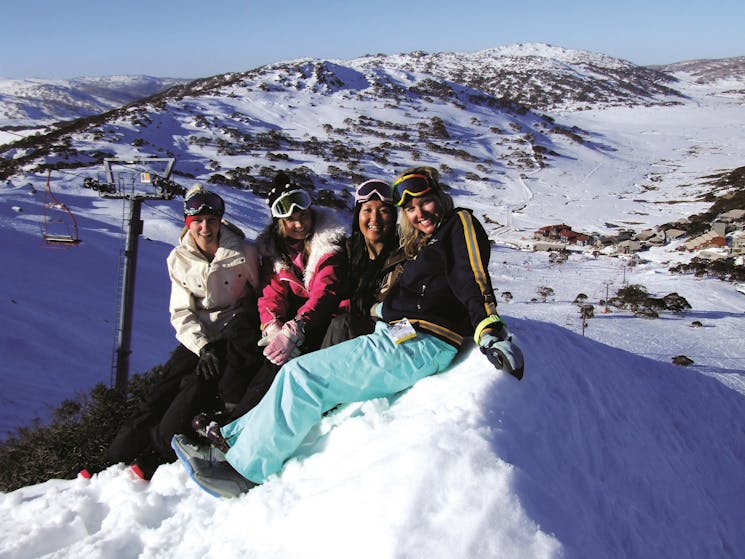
[596,453]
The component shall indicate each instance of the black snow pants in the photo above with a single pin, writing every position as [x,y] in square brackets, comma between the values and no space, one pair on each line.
[179,394]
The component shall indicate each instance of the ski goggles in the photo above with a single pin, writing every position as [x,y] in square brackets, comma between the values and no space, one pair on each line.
[373,188]
[204,202]
[290,202]
[410,186]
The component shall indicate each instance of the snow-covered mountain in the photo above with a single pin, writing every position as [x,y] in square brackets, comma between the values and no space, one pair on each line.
[233,129]
[31,104]
[707,70]
[600,170]
[543,77]
[605,449]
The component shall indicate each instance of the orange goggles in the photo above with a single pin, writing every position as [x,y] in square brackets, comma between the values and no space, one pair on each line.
[410,186]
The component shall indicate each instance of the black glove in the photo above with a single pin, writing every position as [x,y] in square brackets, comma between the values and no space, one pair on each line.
[209,363]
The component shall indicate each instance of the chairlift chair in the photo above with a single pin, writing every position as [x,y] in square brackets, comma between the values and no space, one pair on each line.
[60,225]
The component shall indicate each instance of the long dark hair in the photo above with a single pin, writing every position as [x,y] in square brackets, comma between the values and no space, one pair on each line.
[364,272]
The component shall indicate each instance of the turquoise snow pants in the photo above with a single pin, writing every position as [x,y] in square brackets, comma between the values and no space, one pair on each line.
[363,368]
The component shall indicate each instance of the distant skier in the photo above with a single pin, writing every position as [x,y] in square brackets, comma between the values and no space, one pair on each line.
[443,295]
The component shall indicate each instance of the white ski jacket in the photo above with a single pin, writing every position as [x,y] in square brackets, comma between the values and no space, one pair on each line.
[205,295]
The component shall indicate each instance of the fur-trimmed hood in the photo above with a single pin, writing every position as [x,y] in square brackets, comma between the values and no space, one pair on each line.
[328,238]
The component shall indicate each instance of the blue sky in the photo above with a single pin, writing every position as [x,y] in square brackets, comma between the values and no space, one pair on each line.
[189,38]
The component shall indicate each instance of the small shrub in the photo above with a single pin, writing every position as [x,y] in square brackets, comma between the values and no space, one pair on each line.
[682,360]
[558,256]
[634,296]
[646,313]
[545,292]
[330,199]
[277,156]
[675,302]
[77,437]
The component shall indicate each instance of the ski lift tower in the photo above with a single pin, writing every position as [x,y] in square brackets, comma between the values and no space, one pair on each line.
[134,180]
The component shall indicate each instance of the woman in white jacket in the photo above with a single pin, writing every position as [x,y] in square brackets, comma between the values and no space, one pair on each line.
[213,306]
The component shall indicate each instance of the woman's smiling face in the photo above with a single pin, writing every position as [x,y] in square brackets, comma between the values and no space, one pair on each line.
[376,220]
[205,230]
[424,213]
[299,225]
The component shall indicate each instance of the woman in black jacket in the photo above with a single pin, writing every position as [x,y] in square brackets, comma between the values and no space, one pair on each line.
[374,258]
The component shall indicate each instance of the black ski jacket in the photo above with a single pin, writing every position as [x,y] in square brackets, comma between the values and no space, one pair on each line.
[446,290]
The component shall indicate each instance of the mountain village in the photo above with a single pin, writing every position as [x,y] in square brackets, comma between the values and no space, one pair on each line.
[725,238]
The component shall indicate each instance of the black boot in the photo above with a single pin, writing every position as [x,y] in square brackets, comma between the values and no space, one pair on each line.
[206,427]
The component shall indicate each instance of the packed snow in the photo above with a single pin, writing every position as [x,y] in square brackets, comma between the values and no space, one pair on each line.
[598,452]
[604,450]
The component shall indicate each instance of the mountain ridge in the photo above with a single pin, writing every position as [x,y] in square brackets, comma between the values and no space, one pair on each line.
[377,113]
[36,102]
[520,73]
[706,70]
[510,72]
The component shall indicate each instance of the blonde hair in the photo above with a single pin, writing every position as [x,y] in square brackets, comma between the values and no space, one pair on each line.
[279,234]
[193,190]
[412,240]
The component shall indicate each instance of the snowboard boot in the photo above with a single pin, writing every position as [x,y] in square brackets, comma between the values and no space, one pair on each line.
[220,479]
[209,469]
[191,454]
[207,428]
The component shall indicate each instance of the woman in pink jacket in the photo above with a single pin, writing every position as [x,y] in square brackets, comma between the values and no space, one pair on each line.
[303,265]
[302,273]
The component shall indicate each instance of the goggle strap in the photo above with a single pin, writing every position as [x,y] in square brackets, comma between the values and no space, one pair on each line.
[411,176]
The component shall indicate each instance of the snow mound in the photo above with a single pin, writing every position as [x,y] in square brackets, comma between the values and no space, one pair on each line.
[597,453]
